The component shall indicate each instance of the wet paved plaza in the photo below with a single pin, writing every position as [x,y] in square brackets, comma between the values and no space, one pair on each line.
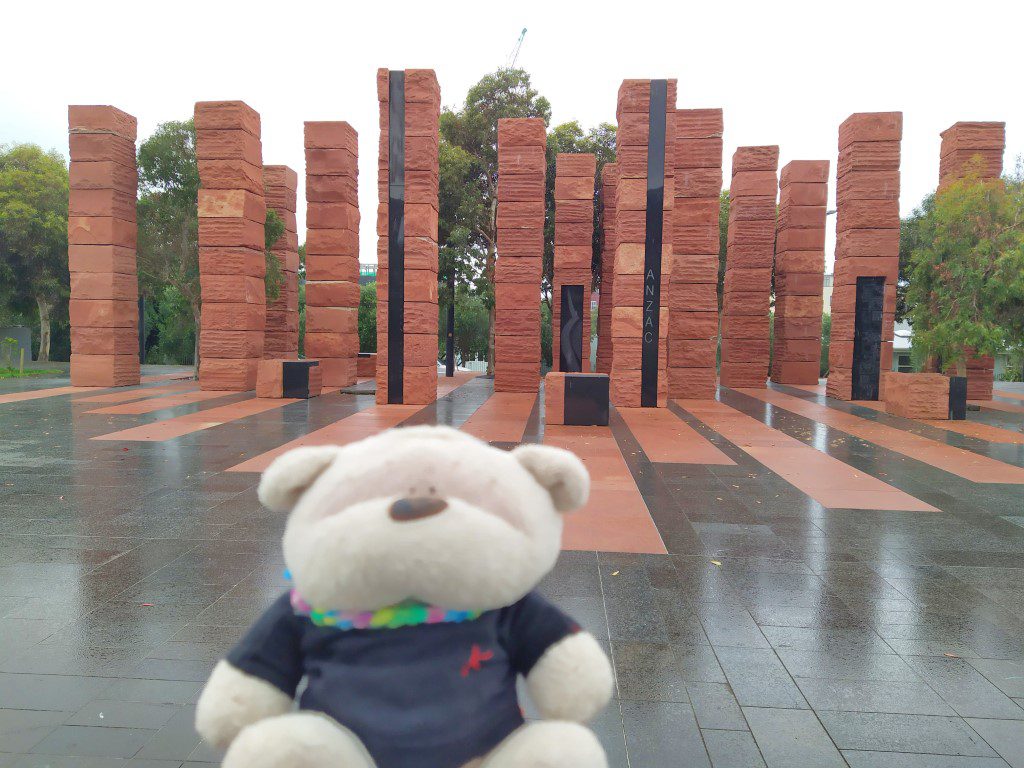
[781,580]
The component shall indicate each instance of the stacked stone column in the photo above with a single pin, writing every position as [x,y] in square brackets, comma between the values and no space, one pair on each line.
[101,247]
[799,272]
[232,261]
[748,266]
[332,250]
[693,292]
[606,298]
[633,315]
[977,146]
[281,333]
[867,234]
[407,311]
[519,267]
[574,246]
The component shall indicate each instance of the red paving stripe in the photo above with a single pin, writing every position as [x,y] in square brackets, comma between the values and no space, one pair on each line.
[1007,393]
[365,423]
[163,403]
[502,418]
[957,461]
[122,396]
[974,429]
[37,394]
[666,438]
[168,429]
[615,519]
[824,478]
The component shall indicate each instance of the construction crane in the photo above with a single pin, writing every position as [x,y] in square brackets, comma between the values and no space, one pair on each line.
[515,49]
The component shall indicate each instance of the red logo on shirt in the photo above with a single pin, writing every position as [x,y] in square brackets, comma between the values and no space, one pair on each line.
[476,658]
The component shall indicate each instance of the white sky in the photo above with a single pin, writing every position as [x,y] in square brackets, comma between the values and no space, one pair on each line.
[785,73]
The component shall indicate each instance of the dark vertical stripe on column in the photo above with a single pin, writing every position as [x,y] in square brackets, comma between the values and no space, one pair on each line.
[396,235]
[652,244]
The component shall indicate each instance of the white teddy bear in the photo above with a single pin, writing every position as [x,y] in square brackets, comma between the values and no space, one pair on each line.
[414,557]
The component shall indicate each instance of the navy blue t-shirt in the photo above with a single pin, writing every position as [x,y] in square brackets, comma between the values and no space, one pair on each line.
[425,696]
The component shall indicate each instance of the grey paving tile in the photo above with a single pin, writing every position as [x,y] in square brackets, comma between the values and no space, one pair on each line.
[715,707]
[647,672]
[923,734]
[858,759]
[841,665]
[1005,736]
[87,741]
[872,696]
[662,733]
[732,749]
[790,737]
[124,714]
[22,729]
[964,688]
[1007,676]
[53,692]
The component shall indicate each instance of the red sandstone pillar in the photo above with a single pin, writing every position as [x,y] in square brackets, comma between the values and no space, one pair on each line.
[232,262]
[748,266]
[332,250]
[693,291]
[606,297]
[799,272]
[101,247]
[574,252]
[407,347]
[518,269]
[640,303]
[867,235]
[980,146]
[281,333]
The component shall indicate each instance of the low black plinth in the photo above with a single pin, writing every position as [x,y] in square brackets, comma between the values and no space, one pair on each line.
[576,399]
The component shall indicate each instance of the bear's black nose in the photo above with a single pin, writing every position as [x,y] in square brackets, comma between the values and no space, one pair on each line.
[416,507]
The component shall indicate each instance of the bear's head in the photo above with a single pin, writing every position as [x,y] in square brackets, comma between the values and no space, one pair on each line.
[422,513]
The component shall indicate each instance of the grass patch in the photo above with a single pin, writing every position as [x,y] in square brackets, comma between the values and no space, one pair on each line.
[14,373]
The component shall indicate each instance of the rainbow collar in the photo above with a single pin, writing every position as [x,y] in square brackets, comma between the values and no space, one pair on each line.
[405,614]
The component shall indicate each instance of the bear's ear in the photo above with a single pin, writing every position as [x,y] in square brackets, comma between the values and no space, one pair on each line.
[559,471]
[290,474]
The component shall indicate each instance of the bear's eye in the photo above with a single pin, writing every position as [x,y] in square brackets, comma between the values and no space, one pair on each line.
[433,490]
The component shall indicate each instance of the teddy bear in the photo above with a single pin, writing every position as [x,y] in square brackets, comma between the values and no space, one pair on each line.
[414,557]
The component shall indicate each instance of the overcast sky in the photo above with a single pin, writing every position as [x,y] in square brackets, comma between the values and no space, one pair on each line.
[785,73]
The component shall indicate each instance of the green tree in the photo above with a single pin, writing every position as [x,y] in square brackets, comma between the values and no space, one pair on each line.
[368,317]
[571,138]
[826,341]
[967,272]
[469,178]
[34,233]
[723,239]
[472,318]
[911,238]
[168,219]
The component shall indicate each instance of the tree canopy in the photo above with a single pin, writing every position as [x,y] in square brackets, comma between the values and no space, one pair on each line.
[33,233]
[966,270]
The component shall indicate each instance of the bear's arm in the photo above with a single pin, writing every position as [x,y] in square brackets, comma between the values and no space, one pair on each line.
[257,680]
[568,675]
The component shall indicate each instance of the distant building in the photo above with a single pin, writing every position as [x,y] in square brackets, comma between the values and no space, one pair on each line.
[367,273]
[826,294]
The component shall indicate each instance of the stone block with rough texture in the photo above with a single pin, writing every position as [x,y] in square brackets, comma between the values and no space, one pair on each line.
[632,145]
[801,229]
[232,213]
[103,306]
[416,318]
[692,346]
[867,226]
[332,250]
[748,262]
